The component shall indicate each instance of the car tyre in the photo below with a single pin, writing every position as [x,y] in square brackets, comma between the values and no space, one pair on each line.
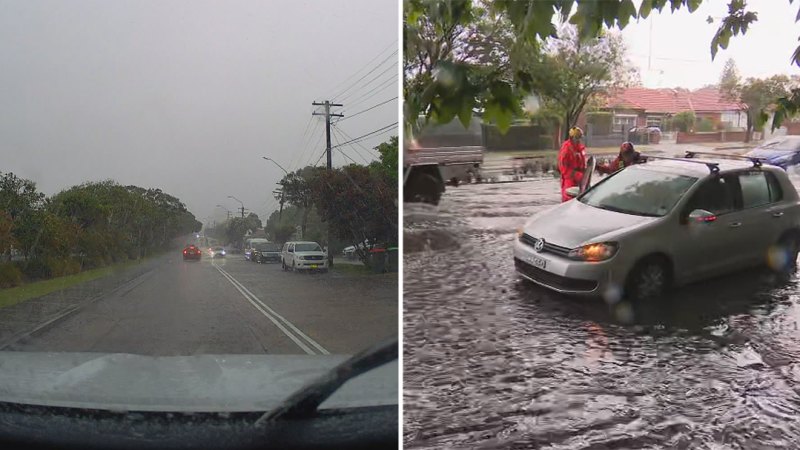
[790,242]
[649,280]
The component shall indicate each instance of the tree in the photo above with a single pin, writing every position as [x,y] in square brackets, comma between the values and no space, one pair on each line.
[729,81]
[572,71]
[387,166]
[760,94]
[358,205]
[684,121]
[456,60]
[532,21]
[297,191]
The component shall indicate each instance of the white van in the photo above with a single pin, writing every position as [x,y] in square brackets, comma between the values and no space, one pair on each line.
[249,246]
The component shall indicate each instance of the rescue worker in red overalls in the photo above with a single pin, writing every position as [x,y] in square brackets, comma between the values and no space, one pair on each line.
[571,161]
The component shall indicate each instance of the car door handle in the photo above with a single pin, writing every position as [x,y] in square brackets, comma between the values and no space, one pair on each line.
[735,224]
[777,214]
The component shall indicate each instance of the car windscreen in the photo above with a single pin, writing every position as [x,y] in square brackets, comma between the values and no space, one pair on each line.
[639,192]
[307,248]
[267,247]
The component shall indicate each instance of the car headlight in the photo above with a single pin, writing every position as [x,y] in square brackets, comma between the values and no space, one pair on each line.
[600,251]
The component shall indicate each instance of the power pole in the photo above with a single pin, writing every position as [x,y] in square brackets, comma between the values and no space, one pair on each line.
[242,208]
[327,104]
[280,200]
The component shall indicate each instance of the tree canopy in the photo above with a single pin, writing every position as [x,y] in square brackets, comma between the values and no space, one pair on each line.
[447,76]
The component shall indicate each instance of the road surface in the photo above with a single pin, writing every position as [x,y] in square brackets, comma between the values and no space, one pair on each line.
[227,306]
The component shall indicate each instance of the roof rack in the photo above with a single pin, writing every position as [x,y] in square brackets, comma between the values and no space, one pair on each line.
[712,166]
[756,161]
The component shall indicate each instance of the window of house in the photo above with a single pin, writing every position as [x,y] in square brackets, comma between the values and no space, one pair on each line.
[654,121]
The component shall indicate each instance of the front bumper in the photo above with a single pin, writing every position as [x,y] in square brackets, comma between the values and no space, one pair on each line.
[564,275]
[312,264]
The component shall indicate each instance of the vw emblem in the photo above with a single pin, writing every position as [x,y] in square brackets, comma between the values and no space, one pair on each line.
[539,245]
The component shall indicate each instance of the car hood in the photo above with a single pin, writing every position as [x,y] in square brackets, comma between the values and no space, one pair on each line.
[573,223]
[309,253]
[768,153]
[202,383]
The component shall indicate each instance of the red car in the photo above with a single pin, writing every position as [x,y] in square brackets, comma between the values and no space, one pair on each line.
[191,252]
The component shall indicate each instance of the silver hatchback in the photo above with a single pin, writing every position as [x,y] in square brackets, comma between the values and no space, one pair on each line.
[666,222]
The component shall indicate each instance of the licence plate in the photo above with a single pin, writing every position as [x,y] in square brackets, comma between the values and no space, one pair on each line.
[537,262]
[313,266]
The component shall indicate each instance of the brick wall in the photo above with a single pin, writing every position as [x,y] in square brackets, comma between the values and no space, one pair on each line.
[715,136]
[793,128]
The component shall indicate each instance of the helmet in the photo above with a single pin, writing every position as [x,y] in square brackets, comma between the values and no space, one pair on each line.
[575,133]
[626,147]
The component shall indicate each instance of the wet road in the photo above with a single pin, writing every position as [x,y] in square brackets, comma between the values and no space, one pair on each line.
[228,306]
[491,361]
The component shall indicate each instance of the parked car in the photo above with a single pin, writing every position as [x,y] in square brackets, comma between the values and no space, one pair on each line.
[216,252]
[266,252]
[665,222]
[192,252]
[350,252]
[782,151]
[250,245]
[303,255]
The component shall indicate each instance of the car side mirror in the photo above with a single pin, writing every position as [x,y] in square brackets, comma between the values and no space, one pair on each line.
[573,191]
[702,216]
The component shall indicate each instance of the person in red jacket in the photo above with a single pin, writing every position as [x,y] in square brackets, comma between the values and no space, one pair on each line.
[571,161]
[627,157]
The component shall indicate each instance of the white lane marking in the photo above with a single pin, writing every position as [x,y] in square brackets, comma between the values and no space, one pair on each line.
[274,313]
[273,316]
[280,326]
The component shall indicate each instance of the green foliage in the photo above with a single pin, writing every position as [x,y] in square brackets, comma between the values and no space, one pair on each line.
[760,95]
[92,224]
[683,121]
[388,165]
[729,81]
[10,275]
[445,30]
[704,125]
[357,205]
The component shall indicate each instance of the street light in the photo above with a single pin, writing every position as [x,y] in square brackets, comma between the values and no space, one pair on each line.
[276,163]
[226,210]
[280,212]
[240,202]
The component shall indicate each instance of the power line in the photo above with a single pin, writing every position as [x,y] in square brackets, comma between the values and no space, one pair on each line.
[374,91]
[392,45]
[303,143]
[368,109]
[378,131]
[335,97]
[366,161]
[366,149]
[364,85]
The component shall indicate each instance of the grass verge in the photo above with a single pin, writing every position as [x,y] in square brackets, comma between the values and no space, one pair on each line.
[12,296]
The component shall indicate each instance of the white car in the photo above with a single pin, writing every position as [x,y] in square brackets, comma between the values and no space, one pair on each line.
[303,255]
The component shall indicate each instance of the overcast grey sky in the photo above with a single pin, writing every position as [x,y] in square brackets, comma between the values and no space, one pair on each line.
[681,44]
[188,96]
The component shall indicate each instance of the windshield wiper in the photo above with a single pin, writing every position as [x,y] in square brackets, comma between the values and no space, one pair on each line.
[626,211]
[305,402]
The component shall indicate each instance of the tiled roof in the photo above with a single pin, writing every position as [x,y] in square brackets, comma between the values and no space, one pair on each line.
[672,100]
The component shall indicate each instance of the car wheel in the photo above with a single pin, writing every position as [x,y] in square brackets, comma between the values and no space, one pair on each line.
[648,280]
[789,246]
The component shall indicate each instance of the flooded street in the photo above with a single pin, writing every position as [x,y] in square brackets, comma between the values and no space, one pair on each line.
[492,361]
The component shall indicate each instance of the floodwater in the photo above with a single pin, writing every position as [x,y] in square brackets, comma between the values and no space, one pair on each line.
[492,361]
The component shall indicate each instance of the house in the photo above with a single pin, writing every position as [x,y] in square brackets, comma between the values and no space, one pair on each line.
[638,106]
